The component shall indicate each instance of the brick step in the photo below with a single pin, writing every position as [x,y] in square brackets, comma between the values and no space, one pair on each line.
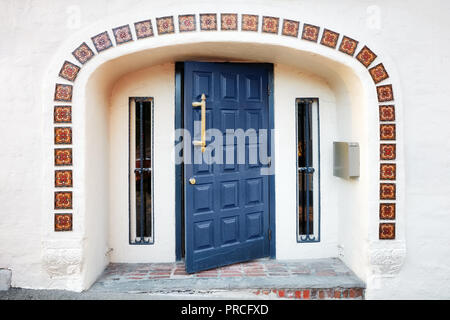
[260,279]
[313,293]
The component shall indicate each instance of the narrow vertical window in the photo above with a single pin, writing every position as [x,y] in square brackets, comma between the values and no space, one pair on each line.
[308,183]
[141,171]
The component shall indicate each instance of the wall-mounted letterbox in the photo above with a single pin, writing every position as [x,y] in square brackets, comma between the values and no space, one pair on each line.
[346,159]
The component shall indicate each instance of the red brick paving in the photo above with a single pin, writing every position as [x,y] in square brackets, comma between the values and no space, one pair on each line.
[260,268]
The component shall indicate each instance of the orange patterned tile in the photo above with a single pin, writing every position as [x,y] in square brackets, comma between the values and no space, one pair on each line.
[83,53]
[387,191]
[63,178]
[348,45]
[229,21]
[249,22]
[290,28]
[387,113]
[62,114]
[63,135]
[387,231]
[143,29]
[164,25]
[387,151]
[388,171]
[69,71]
[329,38]
[186,22]
[63,222]
[385,93]
[387,132]
[63,157]
[208,21]
[63,200]
[378,73]
[270,25]
[387,211]
[366,56]
[122,34]
[310,32]
[63,92]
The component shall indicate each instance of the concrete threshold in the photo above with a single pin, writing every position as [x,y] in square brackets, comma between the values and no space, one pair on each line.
[258,279]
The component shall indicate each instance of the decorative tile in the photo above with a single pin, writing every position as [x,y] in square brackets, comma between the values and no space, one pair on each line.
[164,25]
[102,41]
[270,25]
[122,34]
[387,113]
[62,114]
[83,53]
[388,171]
[290,28]
[387,151]
[249,22]
[143,29]
[63,222]
[228,21]
[208,21]
[329,38]
[387,132]
[387,191]
[366,56]
[63,92]
[186,22]
[63,200]
[63,135]
[63,157]
[385,93]
[69,71]
[310,32]
[387,231]
[378,73]
[63,178]
[387,211]
[348,45]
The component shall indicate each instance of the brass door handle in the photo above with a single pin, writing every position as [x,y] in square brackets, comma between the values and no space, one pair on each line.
[192,181]
[201,104]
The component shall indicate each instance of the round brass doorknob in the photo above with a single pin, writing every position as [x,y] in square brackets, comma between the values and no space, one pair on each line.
[192,181]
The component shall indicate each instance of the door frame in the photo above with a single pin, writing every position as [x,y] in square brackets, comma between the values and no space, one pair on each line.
[179,173]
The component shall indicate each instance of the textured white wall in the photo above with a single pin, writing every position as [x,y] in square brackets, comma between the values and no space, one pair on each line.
[289,84]
[157,82]
[413,35]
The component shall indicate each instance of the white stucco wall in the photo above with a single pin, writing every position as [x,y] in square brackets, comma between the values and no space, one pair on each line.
[289,84]
[157,82]
[411,37]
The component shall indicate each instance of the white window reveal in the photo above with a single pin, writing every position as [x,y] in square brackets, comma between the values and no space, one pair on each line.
[308,170]
[141,174]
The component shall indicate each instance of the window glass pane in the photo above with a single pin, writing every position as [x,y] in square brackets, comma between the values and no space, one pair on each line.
[147,134]
[143,228]
[304,141]
[138,134]
[141,187]
[305,176]
[306,201]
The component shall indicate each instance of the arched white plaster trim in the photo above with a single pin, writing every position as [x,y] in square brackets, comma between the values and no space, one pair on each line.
[76,240]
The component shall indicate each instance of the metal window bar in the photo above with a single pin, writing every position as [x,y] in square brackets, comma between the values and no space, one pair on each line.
[143,174]
[305,173]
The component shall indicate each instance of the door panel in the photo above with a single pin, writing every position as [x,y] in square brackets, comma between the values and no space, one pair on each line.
[227,209]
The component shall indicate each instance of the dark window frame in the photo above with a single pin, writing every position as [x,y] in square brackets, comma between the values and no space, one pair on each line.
[304,234]
[143,169]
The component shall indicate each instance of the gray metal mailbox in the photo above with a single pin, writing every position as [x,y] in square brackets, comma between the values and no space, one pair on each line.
[346,159]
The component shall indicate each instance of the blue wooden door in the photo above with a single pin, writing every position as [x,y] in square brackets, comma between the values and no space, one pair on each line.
[226,204]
